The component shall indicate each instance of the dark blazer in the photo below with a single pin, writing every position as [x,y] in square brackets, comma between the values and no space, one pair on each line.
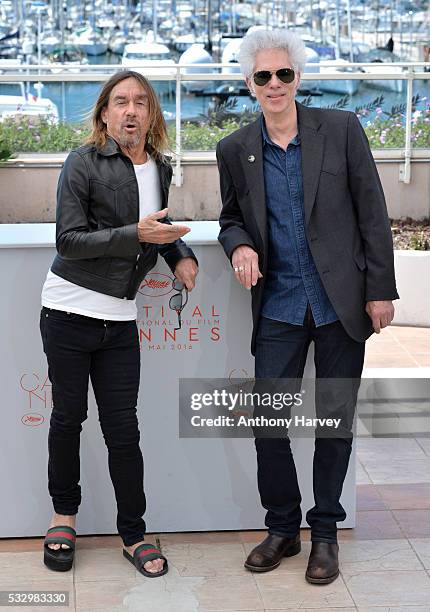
[347,225]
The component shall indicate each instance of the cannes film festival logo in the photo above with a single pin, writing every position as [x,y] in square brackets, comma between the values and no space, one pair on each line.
[156,284]
[32,420]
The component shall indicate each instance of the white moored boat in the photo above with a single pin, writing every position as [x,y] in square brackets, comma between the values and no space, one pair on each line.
[152,60]
[196,54]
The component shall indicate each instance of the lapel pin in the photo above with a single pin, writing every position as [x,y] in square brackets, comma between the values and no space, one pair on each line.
[251,158]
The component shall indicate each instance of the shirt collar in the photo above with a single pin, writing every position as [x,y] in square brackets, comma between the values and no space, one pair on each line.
[267,139]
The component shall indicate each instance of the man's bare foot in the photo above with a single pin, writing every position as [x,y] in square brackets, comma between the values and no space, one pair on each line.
[62,519]
[154,566]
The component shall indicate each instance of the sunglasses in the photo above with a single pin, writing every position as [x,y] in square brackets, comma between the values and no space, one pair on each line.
[262,77]
[177,302]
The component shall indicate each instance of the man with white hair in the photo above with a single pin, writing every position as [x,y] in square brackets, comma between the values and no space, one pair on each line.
[305,226]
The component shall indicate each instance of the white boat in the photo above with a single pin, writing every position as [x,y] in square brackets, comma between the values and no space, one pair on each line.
[69,59]
[50,41]
[149,54]
[386,84]
[117,42]
[381,63]
[22,104]
[196,54]
[312,67]
[358,48]
[90,41]
[185,41]
[339,86]
[230,55]
[152,60]
[9,63]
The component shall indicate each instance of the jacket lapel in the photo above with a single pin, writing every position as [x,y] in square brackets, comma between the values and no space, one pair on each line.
[252,163]
[312,148]
[164,177]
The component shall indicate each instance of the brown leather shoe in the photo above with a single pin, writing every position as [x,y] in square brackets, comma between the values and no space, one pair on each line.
[268,555]
[323,566]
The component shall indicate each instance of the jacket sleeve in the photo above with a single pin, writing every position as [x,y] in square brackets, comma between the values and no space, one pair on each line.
[233,232]
[175,251]
[374,224]
[74,237]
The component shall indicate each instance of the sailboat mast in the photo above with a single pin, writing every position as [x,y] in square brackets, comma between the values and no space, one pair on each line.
[209,5]
[337,28]
[154,19]
[351,49]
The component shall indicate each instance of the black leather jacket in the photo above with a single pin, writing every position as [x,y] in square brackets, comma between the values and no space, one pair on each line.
[97,215]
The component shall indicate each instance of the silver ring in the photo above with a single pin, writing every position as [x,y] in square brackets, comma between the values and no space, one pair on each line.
[241,268]
[236,269]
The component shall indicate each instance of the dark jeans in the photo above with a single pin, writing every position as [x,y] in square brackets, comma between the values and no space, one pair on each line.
[281,352]
[79,348]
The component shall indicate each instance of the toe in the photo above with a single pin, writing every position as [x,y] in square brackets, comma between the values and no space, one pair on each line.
[150,566]
[154,566]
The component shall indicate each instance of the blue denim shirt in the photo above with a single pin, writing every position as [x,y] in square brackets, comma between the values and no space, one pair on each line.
[292,279]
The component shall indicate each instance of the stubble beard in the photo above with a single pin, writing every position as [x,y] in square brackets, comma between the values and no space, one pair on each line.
[129,141]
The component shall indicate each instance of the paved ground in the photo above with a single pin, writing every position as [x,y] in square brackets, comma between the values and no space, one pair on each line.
[385,560]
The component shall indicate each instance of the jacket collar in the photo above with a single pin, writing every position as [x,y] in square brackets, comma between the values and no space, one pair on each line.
[306,119]
[312,150]
[112,148]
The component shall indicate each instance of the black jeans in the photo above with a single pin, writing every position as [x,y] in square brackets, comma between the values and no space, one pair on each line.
[281,352]
[79,348]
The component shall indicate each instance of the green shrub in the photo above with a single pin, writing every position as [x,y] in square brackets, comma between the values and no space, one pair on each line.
[5,152]
[386,130]
[40,135]
[419,242]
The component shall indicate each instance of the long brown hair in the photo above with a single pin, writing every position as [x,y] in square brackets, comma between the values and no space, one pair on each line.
[156,137]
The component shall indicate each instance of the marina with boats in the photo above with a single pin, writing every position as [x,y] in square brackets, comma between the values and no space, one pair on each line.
[64,36]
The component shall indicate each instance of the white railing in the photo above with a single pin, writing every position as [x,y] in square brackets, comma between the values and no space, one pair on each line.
[402,71]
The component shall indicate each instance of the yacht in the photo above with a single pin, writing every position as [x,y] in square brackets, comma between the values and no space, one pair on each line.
[67,58]
[195,55]
[152,60]
[381,60]
[90,40]
[311,67]
[230,55]
[339,86]
[23,104]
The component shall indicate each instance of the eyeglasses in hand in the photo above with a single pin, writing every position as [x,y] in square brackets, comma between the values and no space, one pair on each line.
[177,302]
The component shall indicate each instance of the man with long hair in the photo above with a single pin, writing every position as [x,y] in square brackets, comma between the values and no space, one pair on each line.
[111,225]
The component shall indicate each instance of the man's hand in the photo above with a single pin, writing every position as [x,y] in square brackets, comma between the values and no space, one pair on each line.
[149,229]
[245,265]
[186,271]
[381,313]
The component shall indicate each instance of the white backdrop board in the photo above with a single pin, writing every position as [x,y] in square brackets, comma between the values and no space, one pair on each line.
[191,484]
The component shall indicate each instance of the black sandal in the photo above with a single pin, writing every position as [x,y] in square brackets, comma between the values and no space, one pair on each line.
[60,560]
[143,554]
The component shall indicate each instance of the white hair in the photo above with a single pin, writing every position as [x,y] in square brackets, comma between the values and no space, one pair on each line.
[271,39]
